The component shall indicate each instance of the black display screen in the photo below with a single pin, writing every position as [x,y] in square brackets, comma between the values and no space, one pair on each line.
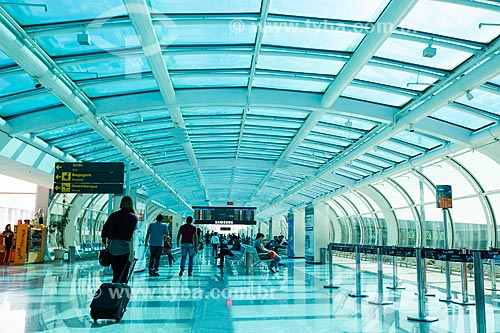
[224,215]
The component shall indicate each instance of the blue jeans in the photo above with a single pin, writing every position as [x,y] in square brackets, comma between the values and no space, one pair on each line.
[187,248]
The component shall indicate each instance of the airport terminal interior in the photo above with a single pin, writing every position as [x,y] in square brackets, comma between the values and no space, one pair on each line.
[365,132]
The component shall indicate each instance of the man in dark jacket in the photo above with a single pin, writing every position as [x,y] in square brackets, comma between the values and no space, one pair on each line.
[188,244]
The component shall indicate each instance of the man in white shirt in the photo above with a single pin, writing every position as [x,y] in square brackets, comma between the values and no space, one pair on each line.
[215,241]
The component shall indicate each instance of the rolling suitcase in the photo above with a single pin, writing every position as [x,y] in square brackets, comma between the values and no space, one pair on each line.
[111,299]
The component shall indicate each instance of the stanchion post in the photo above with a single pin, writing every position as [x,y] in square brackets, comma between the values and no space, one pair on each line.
[422,311]
[358,275]
[479,291]
[446,263]
[330,268]
[493,276]
[465,287]
[395,284]
[380,299]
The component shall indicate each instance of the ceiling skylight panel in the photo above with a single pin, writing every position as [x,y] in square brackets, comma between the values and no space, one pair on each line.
[336,131]
[418,139]
[18,83]
[351,122]
[5,61]
[209,60]
[400,148]
[411,52]
[482,99]
[106,68]
[326,139]
[348,174]
[26,105]
[205,6]
[453,20]
[354,171]
[196,81]
[59,11]
[211,111]
[396,78]
[278,112]
[384,155]
[286,83]
[461,118]
[179,32]
[376,95]
[300,64]
[366,166]
[353,10]
[273,123]
[295,34]
[103,39]
[124,87]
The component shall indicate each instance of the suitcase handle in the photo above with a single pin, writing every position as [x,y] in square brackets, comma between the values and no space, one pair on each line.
[131,271]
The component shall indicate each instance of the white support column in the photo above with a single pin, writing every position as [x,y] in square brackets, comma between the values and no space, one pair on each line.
[274,226]
[42,203]
[321,230]
[296,233]
[176,224]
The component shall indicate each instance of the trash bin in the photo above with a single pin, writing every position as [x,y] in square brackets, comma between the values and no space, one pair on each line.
[71,253]
[249,262]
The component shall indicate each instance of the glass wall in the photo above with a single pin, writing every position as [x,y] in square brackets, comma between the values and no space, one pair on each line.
[411,197]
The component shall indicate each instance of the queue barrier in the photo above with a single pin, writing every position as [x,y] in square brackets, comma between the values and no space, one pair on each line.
[463,256]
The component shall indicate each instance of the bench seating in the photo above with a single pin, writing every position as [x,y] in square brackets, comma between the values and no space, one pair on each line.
[257,261]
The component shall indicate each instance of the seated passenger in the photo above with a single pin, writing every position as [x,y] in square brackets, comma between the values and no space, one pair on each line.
[266,254]
[225,251]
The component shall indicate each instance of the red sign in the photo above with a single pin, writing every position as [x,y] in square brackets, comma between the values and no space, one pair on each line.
[230,203]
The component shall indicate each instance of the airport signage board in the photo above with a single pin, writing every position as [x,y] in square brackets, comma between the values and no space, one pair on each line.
[89,178]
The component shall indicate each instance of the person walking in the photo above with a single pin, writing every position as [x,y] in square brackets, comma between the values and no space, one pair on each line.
[155,234]
[189,242]
[8,236]
[215,241]
[167,249]
[118,234]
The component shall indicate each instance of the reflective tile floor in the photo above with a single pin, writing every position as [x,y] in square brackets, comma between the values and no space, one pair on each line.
[55,297]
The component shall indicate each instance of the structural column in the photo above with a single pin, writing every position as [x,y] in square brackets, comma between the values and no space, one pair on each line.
[317,231]
[296,233]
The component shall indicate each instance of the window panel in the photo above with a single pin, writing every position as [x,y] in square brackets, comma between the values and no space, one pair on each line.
[461,118]
[290,84]
[444,174]
[375,95]
[290,63]
[454,20]
[411,52]
[392,195]
[414,186]
[483,168]
[354,10]
[483,100]
[396,78]
[289,34]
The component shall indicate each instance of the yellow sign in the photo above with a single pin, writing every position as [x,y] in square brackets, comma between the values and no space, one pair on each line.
[66,176]
[21,243]
[66,187]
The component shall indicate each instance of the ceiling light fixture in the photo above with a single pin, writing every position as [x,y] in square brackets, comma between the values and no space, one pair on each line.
[429,51]
[83,38]
[411,129]
[348,123]
[469,95]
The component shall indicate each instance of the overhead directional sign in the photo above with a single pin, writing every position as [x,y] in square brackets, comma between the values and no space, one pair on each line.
[91,167]
[88,188]
[89,178]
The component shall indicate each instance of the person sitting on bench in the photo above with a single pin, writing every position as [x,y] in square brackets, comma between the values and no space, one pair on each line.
[266,254]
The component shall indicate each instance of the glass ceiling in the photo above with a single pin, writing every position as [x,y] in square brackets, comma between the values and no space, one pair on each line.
[269,104]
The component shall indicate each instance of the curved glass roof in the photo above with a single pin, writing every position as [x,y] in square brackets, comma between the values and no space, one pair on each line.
[272,103]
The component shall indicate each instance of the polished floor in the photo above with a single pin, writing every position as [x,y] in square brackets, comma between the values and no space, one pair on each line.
[55,297]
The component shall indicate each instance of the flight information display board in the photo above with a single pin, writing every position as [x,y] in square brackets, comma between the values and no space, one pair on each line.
[224,215]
